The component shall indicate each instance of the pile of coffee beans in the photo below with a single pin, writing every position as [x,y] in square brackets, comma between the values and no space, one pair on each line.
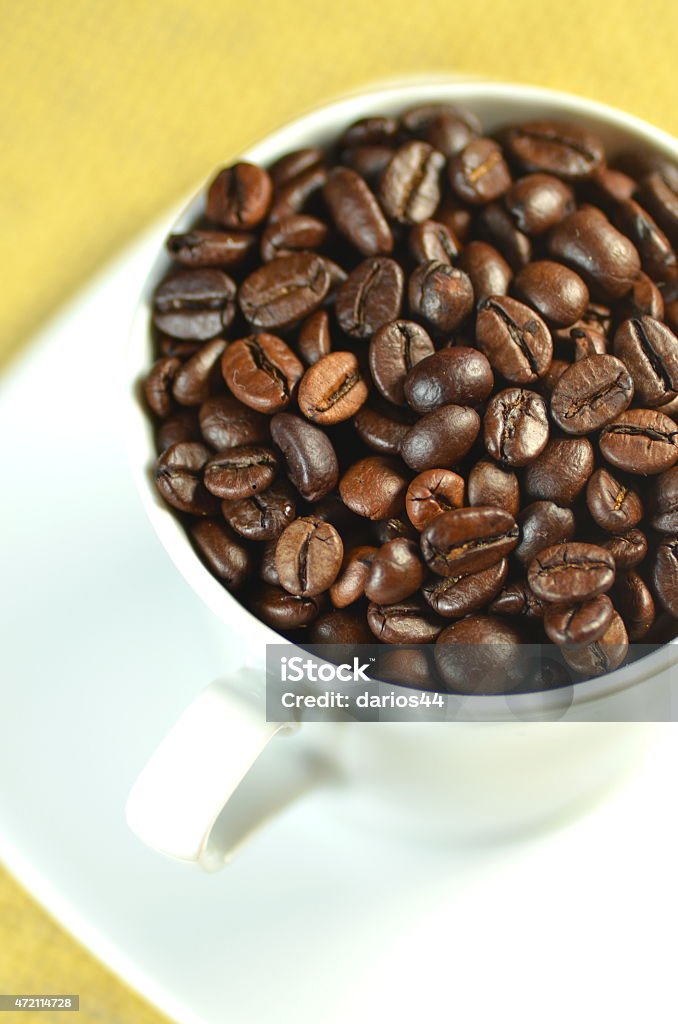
[422,388]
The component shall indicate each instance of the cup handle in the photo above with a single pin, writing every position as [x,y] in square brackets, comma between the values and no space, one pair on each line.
[196,799]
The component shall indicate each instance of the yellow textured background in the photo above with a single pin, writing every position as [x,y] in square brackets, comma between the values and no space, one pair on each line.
[111,109]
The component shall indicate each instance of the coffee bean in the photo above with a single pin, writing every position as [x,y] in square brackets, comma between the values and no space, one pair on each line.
[585,341]
[555,147]
[182,426]
[555,291]
[281,610]
[176,348]
[455,596]
[571,572]
[440,294]
[394,349]
[468,540]
[199,248]
[223,553]
[481,654]
[369,161]
[581,623]
[411,667]
[635,604]
[432,492]
[285,290]
[603,655]
[665,574]
[444,126]
[267,570]
[479,174]
[262,371]
[590,394]
[514,338]
[310,459]
[289,234]
[606,259]
[239,196]
[178,477]
[409,189]
[293,195]
[490,484]
[395,572]
[406,622]
[370,297]
[660,196]
[394,528]
[374,487]
[194,305]
[644,299]
[308,556]
[650,351]
[456,216]
[314,340]
[340,629]
[291,164]
[198,377]
[517,599]
[227,423]
[561,471]
[356,212]
[158,386]
[262,516]
[515,426]
[460,375]
[375,130]
[240,472]
[642,441]
[656,252]
[664,516]
[349,585]
[607,187]
[612,505]
[441,438]
[333,389]
[538,202]
[627,549]
[381,432]
[432,240]
[496,226]
[542,524]
[487,269]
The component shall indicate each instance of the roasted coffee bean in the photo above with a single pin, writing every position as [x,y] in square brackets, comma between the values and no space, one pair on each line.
[356,212]
[590,394]
[411,667]
[635,604]
[517,599]
[441,438]
[603,655]
[285,290]
[496,225]
[609,187]
[571,572]
[178,477]
[490,484]
[613,506]
[308,556]
[515,426]
[282,610]
[194,305]
[460,375]
[538,202]
[374,487]
[262,516]
[381,432]
[432,240]
[176,348]
[660,196]
[395,572]
[370,297]
[211,248]
[314,340]
[555,291]
[310,459]
[291,164]
[664,516]
[665,574]
[375,130]
[406,622]
[290,234]
[394,349]
[455,596]
[440,294]
[555,147]
[479,174]
[409,189]
[628,549]
[385,530]
[644,299]
[561,471]
[542,524]
[514,338]
[642,441]
[239,196]
[456,216]
[444,126]
[606,259]
[292,196]
[182,426]
[579,623]
[158,386]
[227,423]
[333,389]
[262,372]
[432,492]
[656,252]
[468,539]
[481,654]
[349,585]
[487,269]
[369,161]
[586,341]
[267,570]
[240,472]
[221,550]
[650,351]
[198,377]
[341,629]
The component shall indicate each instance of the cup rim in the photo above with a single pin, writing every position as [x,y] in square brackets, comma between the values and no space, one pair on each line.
[139,429]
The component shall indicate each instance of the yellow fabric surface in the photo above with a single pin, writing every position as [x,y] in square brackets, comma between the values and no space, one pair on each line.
[111,111]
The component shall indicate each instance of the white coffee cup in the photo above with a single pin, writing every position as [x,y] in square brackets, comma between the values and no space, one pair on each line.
[217,776]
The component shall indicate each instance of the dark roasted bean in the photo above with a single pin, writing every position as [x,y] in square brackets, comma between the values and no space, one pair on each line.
[261,516]
[211,248]
[282,610]
[644,299]
[407,622]
[479,174]
[665,574]
[555,147]
[349,585]
[542,524]
[660,197]
[178,477]
[198,377]
[555,291]
[292,196]
[224,554]
[289,234]
[394,349]
[455,596]
[395,572]
[571,572]
[262,371]
[182,426]
[603,655]
[664,516]
[441,438]
[605,258]
[310,459]
[627,549]
[538,202]
[239,196]
[590,394]
[642,441]
[285,290]
[332,389]
[308,556]
[240,472]
[374,487]
[650,351]
[409,188]
[459,375]
[656,252]
[496,226]
[370,297]
[314,340]
[490,484]
[340,628]
[481,654]
[487,269]
[515,426]
[227,423]
[613,506]
[158,386]
[369,161]
[517,599]
[635,604]
[443,125]
[440,294]
[194,305]
[581,623]
[431,240]
[468,539]
[514,338]
[356,212]
[432,492]
[381,431]
[561,471]
[294,163]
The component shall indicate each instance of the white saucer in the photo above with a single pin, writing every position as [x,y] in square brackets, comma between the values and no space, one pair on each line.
[103,646]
